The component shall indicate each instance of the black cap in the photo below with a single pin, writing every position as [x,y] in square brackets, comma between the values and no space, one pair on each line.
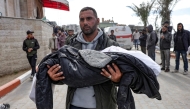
[29,31]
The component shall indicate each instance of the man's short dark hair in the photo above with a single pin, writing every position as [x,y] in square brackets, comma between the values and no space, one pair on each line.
[89,8]
[112,30]
[166,22]
[70,30]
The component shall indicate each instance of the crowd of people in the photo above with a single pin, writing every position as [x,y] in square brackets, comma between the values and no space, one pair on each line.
[59,38]
[148,41]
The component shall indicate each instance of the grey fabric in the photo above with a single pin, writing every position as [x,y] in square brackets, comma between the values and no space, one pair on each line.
[84,97]
[107,89]
[2,106]
[165,43]
[89,45]
[151,53]
[95,58]
[165,56]
[152,39]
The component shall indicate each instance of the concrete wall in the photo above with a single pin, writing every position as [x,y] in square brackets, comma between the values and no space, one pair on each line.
[12,35]
[21,8]
[2,7]
[10,8]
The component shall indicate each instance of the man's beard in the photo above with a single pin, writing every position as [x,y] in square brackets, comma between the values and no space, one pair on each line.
[90,31]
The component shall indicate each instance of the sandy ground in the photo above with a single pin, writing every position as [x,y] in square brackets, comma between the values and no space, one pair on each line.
[7,78]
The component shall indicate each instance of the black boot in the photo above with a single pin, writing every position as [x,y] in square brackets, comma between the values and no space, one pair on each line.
[167,70]
[162,68]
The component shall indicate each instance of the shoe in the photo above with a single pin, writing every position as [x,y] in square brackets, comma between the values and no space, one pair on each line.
[167,70]
[162,68]
[5,106]
[185,72]
[31,77]
[175,71]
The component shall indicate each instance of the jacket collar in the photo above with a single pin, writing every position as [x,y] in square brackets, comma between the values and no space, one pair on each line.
[102,41]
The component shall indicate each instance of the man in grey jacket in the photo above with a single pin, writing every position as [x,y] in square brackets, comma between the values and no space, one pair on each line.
[151,42]
[165,44]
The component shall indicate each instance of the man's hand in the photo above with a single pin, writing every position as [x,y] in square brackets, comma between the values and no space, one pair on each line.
[162,37]
[114,75]
[52,72]
[30,49]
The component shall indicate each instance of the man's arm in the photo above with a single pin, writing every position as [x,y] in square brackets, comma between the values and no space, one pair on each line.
[152,39]
[133,36]
[189,37]
[49,45]
[37,46]
[169,38]
[24,47]
[143,37]
[115,38]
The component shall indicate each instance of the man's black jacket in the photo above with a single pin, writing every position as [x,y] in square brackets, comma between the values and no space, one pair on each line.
[78,73]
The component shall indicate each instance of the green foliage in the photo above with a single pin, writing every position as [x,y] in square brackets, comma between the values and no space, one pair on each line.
[143,11]
[164,9]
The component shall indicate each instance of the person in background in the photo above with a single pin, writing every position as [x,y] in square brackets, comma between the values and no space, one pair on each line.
[30,46]
[112,36]
[61,39]
[166,23]
[165,45]
[135,38]
[181,44]
[53,43]
[143,39]
[70,35]
[151,44]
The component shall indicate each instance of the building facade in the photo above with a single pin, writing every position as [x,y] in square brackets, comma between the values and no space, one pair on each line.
[107,23]
[31,9]
[74,27]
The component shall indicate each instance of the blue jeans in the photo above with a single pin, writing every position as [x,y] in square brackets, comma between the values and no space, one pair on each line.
[136,43]
[184,57]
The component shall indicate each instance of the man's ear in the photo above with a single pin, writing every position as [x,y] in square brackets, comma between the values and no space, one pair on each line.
[98,21]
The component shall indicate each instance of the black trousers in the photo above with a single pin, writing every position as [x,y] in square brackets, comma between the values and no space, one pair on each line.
[32,62]
[143,49]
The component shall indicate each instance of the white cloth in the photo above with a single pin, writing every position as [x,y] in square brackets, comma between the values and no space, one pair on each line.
[136,35]
[32,94]
[138,54]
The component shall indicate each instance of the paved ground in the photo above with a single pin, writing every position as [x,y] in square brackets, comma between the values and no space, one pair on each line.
[174,88]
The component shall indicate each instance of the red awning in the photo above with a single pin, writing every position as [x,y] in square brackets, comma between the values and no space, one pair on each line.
[56,4]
